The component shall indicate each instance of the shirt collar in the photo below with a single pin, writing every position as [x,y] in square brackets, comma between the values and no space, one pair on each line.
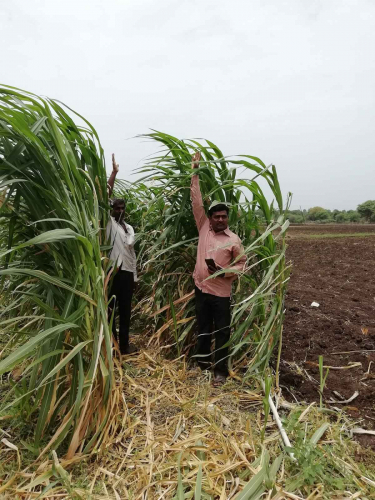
[115,221]
[225,231]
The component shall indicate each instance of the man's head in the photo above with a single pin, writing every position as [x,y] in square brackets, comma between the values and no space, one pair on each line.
[218,215]
[118,207]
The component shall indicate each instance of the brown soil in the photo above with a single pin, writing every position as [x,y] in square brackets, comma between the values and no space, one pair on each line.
[337,273]
[298,229]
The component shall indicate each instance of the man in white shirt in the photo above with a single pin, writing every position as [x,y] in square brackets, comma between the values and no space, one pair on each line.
[121,236]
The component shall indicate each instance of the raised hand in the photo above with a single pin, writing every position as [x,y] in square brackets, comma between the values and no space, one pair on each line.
[195,160]
[115,166]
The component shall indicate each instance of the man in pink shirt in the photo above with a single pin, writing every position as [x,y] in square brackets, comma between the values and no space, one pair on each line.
[218,248]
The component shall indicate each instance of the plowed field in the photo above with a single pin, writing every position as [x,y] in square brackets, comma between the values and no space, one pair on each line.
[335,267]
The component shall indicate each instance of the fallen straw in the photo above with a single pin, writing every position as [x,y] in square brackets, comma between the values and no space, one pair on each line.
[278,422]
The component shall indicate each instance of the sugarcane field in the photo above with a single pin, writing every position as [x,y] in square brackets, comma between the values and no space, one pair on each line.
[187,250]
[170,396]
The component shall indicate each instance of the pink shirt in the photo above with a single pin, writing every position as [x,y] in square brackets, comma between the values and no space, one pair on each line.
[223,247]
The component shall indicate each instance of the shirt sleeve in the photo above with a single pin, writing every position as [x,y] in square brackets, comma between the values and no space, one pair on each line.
[239,265]
[111,237]
[130,242]
[197,202]
[130,236]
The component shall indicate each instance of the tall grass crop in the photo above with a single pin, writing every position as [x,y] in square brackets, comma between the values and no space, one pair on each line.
[53,309]
[158,204]
[53,320]
[166,432]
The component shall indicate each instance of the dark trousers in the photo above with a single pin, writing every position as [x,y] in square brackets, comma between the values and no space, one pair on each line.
[213,315]
[121,297]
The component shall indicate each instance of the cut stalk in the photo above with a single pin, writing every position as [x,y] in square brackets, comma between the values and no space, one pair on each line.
[279,424]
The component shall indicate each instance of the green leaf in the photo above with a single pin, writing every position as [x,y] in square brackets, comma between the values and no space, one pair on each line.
[198,484]
[252,489]
[319,433]
[66,360]
[28,348]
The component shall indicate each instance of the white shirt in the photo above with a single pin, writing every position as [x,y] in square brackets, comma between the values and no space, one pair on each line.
[122,252]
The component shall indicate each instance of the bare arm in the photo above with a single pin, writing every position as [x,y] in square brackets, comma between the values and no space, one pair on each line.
[112,177]
[196,195]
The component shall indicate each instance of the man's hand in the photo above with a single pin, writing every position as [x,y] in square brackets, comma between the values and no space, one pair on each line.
[214,269]
[196,158]
[115,166]
[211,269]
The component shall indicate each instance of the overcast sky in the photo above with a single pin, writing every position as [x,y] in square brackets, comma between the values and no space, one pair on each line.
[290,81]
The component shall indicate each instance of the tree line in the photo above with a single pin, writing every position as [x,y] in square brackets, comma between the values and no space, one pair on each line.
[365,212]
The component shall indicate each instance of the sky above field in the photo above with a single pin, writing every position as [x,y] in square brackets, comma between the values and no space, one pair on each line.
[289,81]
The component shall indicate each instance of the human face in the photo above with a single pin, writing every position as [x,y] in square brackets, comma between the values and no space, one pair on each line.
[219,221]
[117,210]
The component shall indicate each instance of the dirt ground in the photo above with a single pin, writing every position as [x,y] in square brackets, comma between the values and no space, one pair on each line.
[316,229]
[337,273]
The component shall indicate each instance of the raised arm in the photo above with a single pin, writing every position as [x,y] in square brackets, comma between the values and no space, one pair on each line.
[112,177]
[196,195]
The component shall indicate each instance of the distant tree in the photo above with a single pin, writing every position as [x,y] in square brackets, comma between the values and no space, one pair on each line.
[353,216]
[325,216]
[296,218]
[367,210]
[318,214]
[341,217]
